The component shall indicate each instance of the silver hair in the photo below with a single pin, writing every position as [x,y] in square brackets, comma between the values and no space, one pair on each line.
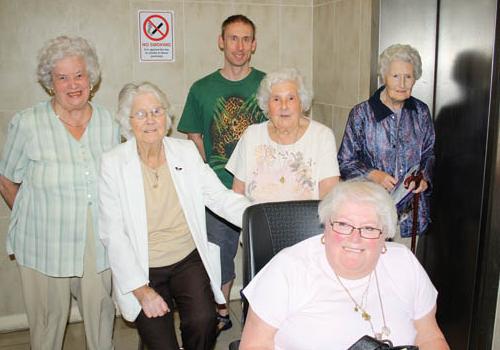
[126,99]
[366,192]
[62,47]
[400,52]
[280,76]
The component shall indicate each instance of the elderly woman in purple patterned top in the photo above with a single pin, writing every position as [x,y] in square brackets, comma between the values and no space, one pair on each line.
[392,133]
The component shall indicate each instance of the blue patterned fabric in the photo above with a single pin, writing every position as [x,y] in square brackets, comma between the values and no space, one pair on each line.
[375,138]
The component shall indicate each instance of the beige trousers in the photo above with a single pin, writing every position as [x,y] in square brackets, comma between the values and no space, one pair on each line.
[47,301]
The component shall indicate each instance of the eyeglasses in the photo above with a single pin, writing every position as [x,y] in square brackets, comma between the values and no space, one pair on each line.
[142,114]
[345,229]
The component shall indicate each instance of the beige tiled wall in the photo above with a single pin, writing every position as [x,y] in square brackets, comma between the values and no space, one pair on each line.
[327,40]
[284,30]
[341,59]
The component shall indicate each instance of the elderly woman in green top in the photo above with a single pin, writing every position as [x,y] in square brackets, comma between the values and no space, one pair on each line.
[48,172]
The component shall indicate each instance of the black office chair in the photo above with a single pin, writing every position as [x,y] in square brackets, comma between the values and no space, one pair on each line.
[270,227]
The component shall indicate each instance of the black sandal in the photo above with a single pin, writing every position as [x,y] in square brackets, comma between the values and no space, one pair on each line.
[224,323]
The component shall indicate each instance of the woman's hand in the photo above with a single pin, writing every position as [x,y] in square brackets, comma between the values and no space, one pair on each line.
[151,302]
[326,185]
[422,187]
[238,186]
[382,178]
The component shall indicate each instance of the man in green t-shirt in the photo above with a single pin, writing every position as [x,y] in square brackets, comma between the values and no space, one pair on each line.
[218,109]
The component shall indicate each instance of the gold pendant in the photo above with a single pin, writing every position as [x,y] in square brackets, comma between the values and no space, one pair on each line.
[282,179]
[366,316]
[157,179]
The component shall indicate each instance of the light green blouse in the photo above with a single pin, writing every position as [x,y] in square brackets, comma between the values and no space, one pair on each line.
[58,177]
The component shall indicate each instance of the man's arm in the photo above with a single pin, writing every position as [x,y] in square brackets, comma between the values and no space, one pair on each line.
[198,141]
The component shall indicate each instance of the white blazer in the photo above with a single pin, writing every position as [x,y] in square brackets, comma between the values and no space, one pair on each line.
[122,214]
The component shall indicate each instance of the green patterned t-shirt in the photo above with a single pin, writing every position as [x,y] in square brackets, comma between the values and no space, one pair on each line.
[221,110]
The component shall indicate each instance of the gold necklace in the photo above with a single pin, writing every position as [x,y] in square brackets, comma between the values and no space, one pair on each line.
[84,124]
[152,174]
[278,135]
[152,170]
[295,138]
[385,331]
[156,177]
[73,125]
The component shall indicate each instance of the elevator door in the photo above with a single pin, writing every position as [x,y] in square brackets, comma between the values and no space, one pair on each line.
[460,250]
[414,23]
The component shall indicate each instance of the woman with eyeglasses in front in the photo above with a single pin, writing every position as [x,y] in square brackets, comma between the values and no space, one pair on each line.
[152,196]
[332,289]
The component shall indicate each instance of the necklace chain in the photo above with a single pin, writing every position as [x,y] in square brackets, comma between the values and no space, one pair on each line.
[73,125]
[83,124]
[152,170]
[385,331]
[155,178]
[278,135]
[280,145]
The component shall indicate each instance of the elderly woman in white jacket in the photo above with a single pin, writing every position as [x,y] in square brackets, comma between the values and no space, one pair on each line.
[153,193]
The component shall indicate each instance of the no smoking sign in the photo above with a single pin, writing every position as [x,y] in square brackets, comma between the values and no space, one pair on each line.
[156,39]
[155,27]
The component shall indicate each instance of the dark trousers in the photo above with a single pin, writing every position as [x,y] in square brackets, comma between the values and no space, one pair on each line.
[186,283]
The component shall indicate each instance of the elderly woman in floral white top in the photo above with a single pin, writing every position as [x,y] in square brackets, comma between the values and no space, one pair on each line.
[289,157]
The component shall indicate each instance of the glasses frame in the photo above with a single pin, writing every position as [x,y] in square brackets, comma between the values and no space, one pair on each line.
[332,222]
[152,112]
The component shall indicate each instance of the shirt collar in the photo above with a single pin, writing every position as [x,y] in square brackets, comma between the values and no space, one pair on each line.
[381,111]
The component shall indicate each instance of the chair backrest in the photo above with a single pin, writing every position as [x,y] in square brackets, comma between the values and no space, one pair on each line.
[270,227]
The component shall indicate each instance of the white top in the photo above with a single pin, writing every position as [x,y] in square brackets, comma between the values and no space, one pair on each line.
[274,172]
[298,293]
[123,226]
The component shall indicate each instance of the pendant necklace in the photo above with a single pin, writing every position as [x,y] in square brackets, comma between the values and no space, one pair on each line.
[152,173]
[361,308]
[156,177]
[280,145]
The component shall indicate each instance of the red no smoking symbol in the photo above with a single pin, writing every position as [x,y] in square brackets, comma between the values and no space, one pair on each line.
[155,27]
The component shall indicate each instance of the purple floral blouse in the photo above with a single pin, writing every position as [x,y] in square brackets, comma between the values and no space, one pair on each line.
[375,138]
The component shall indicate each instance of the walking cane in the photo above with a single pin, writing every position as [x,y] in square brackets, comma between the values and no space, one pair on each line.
[416,178]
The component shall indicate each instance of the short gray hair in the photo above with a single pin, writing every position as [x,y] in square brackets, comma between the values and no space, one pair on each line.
[400,52]
[62,47]
[361,191]
[126,99]
[280,76]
